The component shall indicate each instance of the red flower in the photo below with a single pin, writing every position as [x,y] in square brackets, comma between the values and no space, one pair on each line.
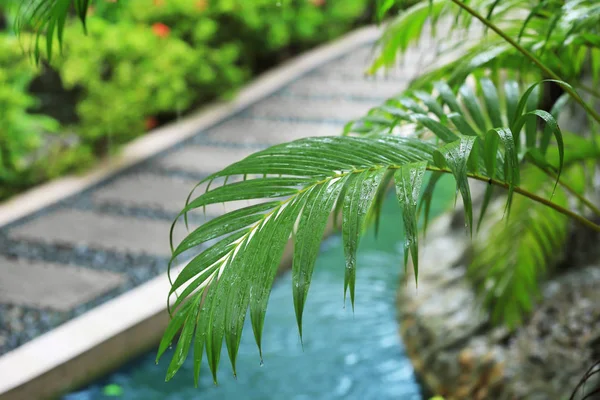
[318,3]
[201,5]
[150,123]
[161,30]
[159,3]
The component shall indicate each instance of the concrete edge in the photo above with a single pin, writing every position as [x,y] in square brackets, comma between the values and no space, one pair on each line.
[163,138]
[42,367]
[107,336]
[97,342]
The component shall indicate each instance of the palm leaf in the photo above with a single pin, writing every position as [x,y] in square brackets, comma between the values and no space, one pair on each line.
[408,180]
[303,182]
[551,27]
[509,262]
[236,269]
[48,18]
[479,112]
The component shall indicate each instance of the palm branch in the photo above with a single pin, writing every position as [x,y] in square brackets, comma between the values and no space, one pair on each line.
[304,181]
[470,131]
[552,30]
[47,18]
[511,259]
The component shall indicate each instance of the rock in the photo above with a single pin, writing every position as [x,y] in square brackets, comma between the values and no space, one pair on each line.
[459,355]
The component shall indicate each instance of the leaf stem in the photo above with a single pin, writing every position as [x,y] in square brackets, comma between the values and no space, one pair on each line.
[532,196]
[588,89]
[530,56]
[571,190]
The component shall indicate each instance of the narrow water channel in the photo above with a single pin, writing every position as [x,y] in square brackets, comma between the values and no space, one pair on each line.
[346,355]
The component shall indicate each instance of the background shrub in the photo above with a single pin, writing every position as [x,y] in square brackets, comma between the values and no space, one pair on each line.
[21,131]
[142,63]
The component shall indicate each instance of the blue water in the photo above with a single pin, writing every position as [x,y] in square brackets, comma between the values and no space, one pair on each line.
[346,355]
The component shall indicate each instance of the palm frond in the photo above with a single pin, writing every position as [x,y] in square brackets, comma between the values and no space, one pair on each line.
[304,181]
[481,111]
[409,26]
[47,18]
[491,113]
[553,30]
[515,254]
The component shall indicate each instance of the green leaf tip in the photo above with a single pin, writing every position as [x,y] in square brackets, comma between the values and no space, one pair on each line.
[408,181]
[357,204]
[455,156]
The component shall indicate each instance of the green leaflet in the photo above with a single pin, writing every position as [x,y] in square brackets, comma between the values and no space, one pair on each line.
[595,64]
[339,204]
[461,124]
[313,220]
[214,324]
[359,197]
[261,286]
[375,212]
[409,179]
[472,106]
[548,129]
[81,8]
[455,156]
[185,339]
[48,18]
[508,264]
[259,188]
[431,103]
[448,96]
[427,197]
[440,130]
[511,161]
[522,104]
[492,102]
[534,11]
[411,105]
[511,97]
[207,258]
[382,7]
[477,59]
[552,126]
[487,197]
[223,225]
[173,328]
[405,30]
[200,339]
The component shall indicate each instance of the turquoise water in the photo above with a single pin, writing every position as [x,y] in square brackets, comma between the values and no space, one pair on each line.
[345,356]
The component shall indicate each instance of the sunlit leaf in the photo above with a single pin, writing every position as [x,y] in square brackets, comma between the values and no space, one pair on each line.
[308,239]
[409,179]
[361,191]
[455,155]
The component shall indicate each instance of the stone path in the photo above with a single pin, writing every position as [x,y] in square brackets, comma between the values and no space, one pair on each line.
[77,254]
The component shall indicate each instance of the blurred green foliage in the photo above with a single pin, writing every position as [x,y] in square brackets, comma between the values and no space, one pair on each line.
[20,130]
[141,64]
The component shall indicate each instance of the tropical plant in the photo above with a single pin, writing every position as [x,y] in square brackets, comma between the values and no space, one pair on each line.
[487,116]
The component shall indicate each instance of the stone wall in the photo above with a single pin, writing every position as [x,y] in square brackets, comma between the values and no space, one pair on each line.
[459,355]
